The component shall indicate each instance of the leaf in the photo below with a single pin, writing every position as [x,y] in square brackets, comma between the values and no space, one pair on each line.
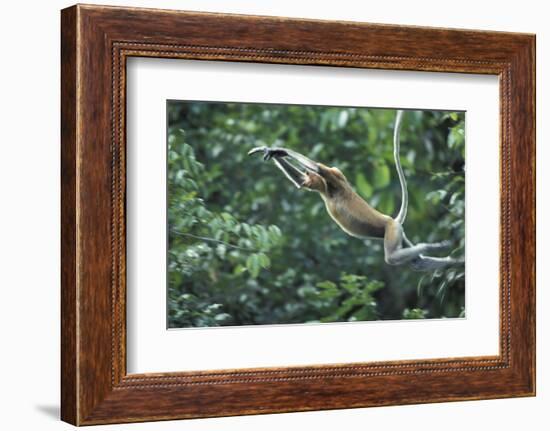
[454,197]
[326,284]
[239,269]
[415,313]
[253,265]
[436,196]
[343,118]
[221,316]
[387,203]
[274,230]
[363,186]
[264,260]
[227,217]
[381,175]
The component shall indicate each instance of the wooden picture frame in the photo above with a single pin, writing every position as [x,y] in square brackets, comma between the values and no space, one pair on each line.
[95,43]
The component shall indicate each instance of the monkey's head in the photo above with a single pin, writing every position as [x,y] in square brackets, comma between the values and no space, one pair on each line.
[327,181]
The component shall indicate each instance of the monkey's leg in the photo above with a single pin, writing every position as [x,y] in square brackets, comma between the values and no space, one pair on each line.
[395,254]
[428,263]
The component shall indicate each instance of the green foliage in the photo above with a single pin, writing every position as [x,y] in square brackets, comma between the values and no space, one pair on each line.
[247,247]
[349,300]
[206,245]
[415,313]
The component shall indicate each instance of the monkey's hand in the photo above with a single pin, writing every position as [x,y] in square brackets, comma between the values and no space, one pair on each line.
[268,153]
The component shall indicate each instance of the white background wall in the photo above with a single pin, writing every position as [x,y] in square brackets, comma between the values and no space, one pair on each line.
[29,215]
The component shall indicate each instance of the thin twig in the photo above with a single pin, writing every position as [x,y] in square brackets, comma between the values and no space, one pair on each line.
[218,241]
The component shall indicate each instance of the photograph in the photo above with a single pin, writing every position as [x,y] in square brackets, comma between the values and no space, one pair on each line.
[275,211]
[302,214]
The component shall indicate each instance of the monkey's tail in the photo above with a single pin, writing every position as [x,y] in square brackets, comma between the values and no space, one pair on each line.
[404,193]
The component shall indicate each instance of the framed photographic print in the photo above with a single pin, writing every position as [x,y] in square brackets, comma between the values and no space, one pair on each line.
[264,214]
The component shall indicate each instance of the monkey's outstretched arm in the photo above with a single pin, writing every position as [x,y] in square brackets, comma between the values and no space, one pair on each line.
[279,153]
[296,176]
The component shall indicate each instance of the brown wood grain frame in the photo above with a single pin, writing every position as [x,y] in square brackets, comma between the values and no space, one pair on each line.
[96,41]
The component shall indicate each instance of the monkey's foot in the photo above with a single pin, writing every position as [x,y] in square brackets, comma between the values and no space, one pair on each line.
[429,263]
[440,245]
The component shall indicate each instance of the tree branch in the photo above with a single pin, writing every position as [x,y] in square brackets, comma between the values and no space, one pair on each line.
[217,241]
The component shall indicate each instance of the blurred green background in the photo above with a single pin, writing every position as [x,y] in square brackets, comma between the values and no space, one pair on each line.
[246,247]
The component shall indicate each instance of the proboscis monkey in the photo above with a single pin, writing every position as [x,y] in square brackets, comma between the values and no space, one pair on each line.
[353,214]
